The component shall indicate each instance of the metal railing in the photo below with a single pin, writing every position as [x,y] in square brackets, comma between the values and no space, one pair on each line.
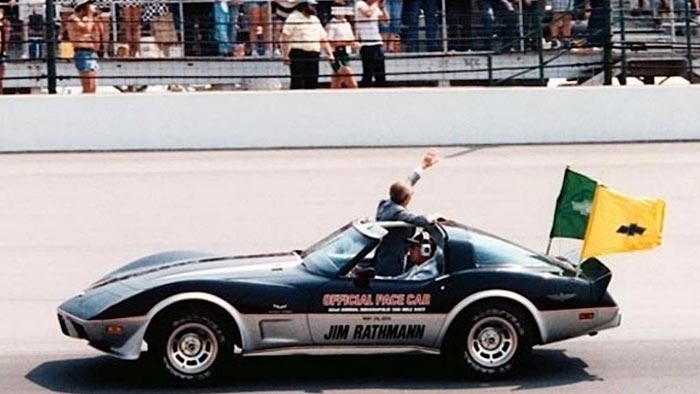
[487,42]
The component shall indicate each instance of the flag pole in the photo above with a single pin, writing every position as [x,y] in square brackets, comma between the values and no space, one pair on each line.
[549,244]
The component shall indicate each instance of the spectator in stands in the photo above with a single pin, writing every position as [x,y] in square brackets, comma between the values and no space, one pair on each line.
[303,37]
[4,36]
[458,14]
[560,27]
[500,25]
[639,7]
[131,26]
[280,11]
[341,37]
[532,9]
[161,23]
[259,30]
[104,16]
[412,10]
[391,32]
[83,30]
[223,17]
[368,14]
[596,23]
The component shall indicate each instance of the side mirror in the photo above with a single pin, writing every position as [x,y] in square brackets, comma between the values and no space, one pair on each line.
[363,275]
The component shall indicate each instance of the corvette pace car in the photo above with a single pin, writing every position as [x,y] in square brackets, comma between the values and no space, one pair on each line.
[489,304]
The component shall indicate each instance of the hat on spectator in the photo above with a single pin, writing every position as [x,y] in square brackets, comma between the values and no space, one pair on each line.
[80,3]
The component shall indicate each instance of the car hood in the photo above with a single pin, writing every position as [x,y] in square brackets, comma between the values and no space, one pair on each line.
[186,265]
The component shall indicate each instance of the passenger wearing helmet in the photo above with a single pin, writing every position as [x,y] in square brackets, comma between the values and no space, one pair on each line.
[420,258]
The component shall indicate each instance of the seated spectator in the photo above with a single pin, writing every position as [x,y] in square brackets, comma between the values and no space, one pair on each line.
[560,27]
[341,37]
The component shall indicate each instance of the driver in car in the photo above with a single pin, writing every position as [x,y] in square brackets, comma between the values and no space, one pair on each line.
[420,262]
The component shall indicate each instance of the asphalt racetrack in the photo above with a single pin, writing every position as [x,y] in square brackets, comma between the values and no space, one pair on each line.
[66,219]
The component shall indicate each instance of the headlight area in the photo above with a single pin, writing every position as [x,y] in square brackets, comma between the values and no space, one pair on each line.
[119,337]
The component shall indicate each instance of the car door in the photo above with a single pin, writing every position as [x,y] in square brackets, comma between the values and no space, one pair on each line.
[380,312]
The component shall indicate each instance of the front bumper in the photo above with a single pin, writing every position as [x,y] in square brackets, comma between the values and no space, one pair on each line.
[126,345]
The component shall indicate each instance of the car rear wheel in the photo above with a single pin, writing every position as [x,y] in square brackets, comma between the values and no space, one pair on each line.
[490,340]
[190,346]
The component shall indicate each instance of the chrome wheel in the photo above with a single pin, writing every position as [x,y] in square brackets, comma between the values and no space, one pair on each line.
[492,341]
[192,348]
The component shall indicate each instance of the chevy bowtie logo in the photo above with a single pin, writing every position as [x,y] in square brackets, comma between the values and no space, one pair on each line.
[631,230]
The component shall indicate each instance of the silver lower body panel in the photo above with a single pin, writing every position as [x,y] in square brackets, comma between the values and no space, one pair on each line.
[570,323]
[126,345]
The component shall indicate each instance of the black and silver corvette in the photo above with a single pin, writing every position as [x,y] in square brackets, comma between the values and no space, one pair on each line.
[194,312]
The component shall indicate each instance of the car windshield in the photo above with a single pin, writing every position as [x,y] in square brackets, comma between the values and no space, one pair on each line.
[490,250]
[331,257]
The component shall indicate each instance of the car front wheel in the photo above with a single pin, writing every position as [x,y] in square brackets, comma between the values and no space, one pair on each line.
[190,347]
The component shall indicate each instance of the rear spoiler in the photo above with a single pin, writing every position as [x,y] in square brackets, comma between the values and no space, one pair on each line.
[597,273]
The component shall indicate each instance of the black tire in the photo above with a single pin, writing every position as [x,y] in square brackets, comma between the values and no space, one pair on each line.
[490,340]
[189,346]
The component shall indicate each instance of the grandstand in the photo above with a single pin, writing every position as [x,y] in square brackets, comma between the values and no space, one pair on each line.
[611,42]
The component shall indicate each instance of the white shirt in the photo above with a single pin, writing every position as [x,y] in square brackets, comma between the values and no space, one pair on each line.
[304,32]
[367,27]
[340,31]
[426,270]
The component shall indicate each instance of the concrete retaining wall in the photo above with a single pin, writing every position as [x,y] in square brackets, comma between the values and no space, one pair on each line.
[349,118]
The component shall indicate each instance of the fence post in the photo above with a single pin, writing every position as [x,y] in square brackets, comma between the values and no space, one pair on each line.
[540,53]
[607,45]
[688,43]
[51,45]
[623,49]
[489,63]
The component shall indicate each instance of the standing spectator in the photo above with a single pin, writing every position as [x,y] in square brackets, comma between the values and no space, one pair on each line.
[500,24]
[280,11]
[131,26]
[532,11]
[368,14]
[162,26]
[341,37]
[412,9]
[223,13]
[259,16]
[103,17]
[458,16]
[303,37]
[560,27]
[4,36]
[391,32]
[596,22]
[83,30]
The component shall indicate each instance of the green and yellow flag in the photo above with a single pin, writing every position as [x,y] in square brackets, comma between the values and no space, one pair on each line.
[573,206]
[620,223]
